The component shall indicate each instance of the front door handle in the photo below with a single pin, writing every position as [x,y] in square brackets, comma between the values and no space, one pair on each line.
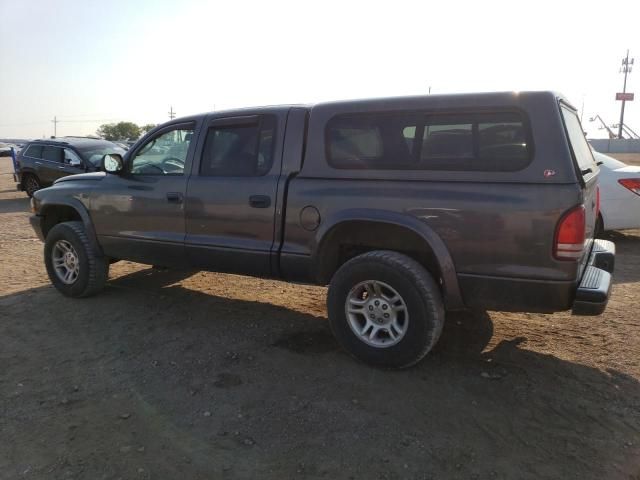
[260,201]
[174,197]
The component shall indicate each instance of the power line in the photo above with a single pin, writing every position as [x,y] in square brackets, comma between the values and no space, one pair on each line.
[42,122]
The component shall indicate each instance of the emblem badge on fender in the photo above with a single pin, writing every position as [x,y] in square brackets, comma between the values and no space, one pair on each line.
[549,173]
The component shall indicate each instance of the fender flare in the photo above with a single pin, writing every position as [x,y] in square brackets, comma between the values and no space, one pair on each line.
[82,211]
[29,170]
[451,288]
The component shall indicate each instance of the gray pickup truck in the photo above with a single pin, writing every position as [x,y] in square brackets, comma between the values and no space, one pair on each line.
[406,207]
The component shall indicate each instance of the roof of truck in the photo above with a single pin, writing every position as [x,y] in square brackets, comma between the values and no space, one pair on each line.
[477,99]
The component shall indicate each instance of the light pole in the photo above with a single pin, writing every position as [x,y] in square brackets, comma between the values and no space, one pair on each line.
[626,69]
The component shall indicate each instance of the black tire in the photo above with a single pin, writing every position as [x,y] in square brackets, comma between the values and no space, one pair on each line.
[419,292]
[31,184]
[93,269]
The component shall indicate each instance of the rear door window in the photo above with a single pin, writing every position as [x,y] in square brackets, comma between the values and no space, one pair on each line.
[34,151]
[52,154]
[578,142]
[239,150]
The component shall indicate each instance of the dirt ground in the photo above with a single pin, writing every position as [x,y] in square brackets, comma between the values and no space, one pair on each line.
[183,375]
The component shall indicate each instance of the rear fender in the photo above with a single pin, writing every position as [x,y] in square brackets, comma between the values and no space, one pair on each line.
[451,289]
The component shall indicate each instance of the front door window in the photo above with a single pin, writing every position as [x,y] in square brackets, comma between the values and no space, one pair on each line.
[71,158]
[165,154]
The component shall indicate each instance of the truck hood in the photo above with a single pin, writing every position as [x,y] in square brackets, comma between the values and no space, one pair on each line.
[96,176]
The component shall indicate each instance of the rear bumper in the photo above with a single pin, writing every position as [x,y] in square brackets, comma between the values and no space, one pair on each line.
[585,296]
[594,290]
[36,224]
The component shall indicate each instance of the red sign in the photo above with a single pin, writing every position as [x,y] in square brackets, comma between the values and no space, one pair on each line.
[624,96]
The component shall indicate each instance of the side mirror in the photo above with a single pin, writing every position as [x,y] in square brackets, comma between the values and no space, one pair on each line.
[73,162]
[112,163]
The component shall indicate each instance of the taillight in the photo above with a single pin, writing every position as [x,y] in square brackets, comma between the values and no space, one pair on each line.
[632,184]
[570,235]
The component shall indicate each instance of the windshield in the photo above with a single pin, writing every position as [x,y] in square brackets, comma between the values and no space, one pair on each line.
[94,153]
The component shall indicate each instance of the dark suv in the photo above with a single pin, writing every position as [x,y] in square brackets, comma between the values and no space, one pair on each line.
[42,162]
[405,207]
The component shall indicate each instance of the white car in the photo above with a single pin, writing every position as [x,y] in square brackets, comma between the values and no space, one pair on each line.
[619,194]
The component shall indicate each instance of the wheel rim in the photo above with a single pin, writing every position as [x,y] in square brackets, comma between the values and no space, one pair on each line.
[32,185]
[377,314]
[66,262]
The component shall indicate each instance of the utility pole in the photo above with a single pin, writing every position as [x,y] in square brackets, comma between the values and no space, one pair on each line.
[55,126]
[172,114]
[626,69]
[604,125]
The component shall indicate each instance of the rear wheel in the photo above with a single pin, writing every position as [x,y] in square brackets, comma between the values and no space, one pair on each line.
[73,266]
[31,184]
[385,309]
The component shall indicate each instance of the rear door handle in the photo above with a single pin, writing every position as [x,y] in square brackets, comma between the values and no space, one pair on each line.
[260,201]
[174,197]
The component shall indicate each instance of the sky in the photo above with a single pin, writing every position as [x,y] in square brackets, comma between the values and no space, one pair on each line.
[92,62]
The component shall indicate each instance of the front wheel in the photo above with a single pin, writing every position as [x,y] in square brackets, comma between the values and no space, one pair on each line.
[73,266]
[385,309]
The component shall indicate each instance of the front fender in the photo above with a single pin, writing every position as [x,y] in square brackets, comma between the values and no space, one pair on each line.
[47,205]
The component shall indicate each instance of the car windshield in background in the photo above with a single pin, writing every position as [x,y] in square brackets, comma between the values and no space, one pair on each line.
[94,153]
[609,162]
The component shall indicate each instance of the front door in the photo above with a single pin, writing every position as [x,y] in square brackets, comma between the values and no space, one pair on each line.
[71,164]
[139,215]
[231,195]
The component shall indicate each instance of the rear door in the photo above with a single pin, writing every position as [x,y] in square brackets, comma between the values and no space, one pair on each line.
[231,196]
[587,170]
[51,166]
[30,158]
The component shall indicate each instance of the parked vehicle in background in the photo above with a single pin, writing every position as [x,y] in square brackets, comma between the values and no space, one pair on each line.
[619,194]
[5,150]
[42,162]
[405,207]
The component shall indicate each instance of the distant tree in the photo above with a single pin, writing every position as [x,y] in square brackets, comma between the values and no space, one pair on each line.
[119,131]
[147,128]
